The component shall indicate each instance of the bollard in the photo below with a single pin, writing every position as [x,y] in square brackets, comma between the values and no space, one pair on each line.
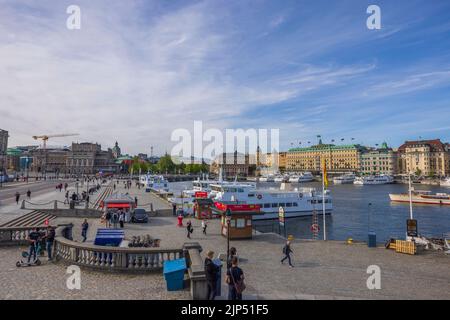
[23,205]
[151,207]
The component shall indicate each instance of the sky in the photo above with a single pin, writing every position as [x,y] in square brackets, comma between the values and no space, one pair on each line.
[138,70]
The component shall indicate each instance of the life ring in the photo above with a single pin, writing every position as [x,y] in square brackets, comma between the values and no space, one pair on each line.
[315,227]
[259,196]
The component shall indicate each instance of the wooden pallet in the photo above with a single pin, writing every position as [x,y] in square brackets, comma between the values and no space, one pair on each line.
[407,247]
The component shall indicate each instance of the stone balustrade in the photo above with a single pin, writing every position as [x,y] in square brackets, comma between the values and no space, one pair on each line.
[112,258]
[14,235]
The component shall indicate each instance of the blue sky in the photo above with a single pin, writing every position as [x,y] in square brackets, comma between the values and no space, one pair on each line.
[137,70]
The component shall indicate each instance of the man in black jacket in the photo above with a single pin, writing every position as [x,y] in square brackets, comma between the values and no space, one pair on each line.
[287,253]
[211,270]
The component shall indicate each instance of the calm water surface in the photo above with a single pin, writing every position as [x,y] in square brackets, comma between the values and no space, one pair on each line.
[352,216]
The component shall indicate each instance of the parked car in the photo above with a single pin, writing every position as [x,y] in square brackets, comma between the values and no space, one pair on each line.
[139,216]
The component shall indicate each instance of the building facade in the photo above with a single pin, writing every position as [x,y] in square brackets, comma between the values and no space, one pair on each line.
[116,152]
[344,158]
[424,158]
[3,148]
[379,161]
[232,165]
[50,160]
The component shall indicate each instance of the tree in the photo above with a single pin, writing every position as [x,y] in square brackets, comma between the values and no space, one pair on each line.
[165,164]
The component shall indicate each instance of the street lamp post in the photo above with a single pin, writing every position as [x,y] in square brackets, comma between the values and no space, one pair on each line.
[228,221]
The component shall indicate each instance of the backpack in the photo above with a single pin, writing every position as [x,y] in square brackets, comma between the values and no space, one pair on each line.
[284,250]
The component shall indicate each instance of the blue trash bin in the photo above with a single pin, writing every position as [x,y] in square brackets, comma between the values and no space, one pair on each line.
[372,243]
[173,271]
[218,263]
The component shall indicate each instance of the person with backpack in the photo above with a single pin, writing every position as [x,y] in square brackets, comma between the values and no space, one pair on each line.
[235,281]
[204,226]
[287,253]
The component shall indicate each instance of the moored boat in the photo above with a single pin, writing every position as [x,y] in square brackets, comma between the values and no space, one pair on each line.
[422,197]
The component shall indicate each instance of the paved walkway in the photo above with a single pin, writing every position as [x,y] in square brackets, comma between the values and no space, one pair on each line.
[323,270]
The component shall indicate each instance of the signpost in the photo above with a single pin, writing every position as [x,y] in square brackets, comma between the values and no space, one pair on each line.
[411,228]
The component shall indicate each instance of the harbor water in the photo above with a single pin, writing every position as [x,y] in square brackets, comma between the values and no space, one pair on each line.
[353,217]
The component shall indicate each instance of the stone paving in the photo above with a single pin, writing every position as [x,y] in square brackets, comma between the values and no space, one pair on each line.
[322,270]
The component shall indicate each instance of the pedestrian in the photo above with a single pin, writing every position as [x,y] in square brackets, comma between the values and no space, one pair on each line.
[33,237]
[84,229]
[115,219]
[287,253]
[204,226]
[17,197]
[174,209]
[136,201]
[29,194]
[121,218]
[67,198]
[108,219]
[235,281]
[49,240]
[189,229]
[65,186]
[212,272]
[114,186]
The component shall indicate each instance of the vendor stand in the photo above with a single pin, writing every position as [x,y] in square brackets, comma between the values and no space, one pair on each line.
[203,208]
[236,219]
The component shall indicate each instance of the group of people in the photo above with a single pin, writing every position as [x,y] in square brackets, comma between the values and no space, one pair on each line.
[190,228]
[234,276]
[35,238]
[114,217]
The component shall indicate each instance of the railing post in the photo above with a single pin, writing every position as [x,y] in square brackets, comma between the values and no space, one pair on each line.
[55,205]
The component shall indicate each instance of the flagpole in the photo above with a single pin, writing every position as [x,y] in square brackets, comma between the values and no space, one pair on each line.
[323,202]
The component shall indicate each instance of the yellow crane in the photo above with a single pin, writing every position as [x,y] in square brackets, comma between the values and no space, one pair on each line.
[45,137]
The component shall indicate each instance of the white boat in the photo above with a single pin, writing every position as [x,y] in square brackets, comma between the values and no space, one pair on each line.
[297,202]
[374,180]
[155,183]
[345,179]
[445,183]
[267,178]
[279,178]
[303,177]
[422,197]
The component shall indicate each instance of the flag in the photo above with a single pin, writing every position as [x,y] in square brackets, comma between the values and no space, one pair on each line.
[325,178]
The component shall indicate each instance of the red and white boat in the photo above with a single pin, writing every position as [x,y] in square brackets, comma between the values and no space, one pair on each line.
[422,197]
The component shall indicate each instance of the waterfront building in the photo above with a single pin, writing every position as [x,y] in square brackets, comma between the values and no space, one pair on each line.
[88,158]
[13,159]
[270,163]
[424,158]
[233,164]
[381,160]
[338,158]
[51,159]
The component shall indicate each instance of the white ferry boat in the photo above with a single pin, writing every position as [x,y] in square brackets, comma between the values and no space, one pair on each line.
[445,183]
[374,180]
[279,178]
[296,203]
[345,179]
[422,197]
[304,177]
[155,183]
[267,178]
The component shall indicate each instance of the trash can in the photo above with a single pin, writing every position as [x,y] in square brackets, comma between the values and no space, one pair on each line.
[173,271]
[372,243]
[218,263]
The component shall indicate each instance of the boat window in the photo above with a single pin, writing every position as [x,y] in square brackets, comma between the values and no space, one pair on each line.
[250,195]
[240,190]
[282,205]
[274,205]
[266,205]
[288,204]
[295,204]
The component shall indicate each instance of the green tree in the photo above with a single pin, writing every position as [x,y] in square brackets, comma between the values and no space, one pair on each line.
[165,164]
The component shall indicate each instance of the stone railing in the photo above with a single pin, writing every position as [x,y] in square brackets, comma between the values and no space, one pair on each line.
[14,235]
[111,258]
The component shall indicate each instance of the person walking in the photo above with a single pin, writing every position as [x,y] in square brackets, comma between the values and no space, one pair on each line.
[189,228]
[136,201]
[49,240]
[174,209]
[235,281]
[84,229]
[108,219]
[115,219]
[287,253]
[204,226]
[212,271]
[29,194]
[17,197]
[232,254]
[33,237]
[121,218]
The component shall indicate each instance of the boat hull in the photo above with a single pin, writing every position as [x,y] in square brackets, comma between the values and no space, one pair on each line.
[418,200]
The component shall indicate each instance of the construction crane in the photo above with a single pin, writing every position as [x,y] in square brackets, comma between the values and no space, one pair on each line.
[46,137]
